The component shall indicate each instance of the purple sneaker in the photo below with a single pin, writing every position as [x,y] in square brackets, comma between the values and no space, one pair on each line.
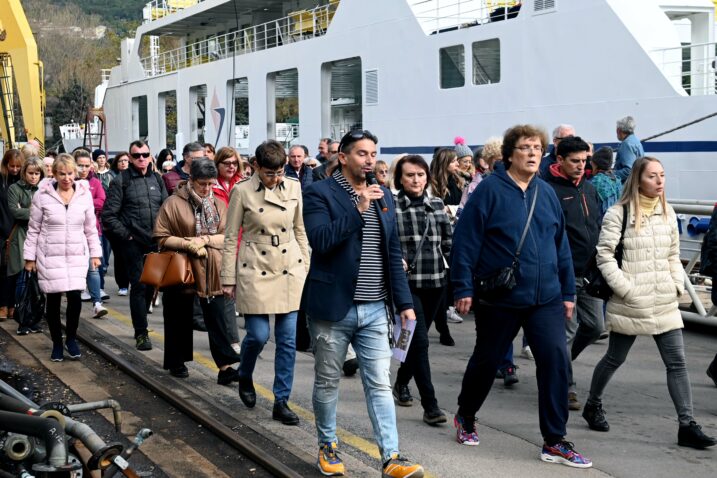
[469,438]
[564,453]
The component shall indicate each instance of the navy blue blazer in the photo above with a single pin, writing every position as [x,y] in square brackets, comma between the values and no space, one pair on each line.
[334,227]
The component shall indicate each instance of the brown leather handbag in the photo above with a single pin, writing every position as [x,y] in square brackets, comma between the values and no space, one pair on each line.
[167,269]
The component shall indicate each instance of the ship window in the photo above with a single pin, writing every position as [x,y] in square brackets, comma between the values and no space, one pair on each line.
[486,62]
[452,64]
[341,97]
[197,105]
[239,90]
[168,119]
[283,88]
[140,124]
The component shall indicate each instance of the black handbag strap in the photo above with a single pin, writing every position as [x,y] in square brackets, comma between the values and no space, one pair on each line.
[420,244]
[527,225]
[619,247]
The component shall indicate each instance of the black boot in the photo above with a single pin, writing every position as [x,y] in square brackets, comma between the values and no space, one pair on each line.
[227,376]
[712,371]
[350,367]
[595,416]
[402,395]
[247,392]
[692,436]
[283,413]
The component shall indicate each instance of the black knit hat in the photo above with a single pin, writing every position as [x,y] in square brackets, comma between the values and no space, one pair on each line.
[96,153]
[603,158]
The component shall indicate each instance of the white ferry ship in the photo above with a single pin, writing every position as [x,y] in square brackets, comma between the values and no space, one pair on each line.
[420,72]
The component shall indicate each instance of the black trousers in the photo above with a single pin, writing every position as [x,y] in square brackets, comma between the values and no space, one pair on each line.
[140,296]
[72,315]
[178,310]
[544,327]
[120,265]
[426,303]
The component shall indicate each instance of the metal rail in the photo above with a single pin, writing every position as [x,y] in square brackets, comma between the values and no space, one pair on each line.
[225,433]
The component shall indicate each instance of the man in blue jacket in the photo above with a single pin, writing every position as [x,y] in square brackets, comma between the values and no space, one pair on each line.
[487,240]
[356,281]
[630,147]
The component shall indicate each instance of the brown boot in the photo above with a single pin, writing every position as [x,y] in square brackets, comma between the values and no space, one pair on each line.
[3,314]
[11,312]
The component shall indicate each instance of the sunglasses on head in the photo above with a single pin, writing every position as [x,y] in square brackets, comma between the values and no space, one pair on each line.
[138,155]
[356,135]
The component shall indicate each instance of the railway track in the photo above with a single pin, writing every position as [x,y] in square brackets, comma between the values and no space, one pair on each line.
[255,447]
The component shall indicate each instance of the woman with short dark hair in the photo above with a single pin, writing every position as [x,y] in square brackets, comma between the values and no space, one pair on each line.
[425,233]
[192,220]
[267,276]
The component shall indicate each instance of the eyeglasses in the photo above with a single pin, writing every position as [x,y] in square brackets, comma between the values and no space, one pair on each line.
[526,148]
[356,135]
[166,170]
[83,167]
[382,173]
[138,155]
[274,174]
[230,164]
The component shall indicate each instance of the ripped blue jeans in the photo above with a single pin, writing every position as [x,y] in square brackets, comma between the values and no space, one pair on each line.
[366,328]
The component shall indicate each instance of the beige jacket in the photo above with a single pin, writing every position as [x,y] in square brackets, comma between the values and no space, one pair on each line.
[175,226]
[647,287]
[273,260]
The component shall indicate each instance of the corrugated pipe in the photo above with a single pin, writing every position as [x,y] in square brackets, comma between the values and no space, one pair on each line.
[45,428]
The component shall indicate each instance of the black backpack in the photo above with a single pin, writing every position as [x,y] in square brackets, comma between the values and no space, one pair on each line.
[593,281]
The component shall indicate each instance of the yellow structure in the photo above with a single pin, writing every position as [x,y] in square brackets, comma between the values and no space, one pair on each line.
[18,60]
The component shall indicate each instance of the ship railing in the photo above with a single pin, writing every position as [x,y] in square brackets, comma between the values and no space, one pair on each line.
[157,9]
[338,130]
[297,26]
[699,310]
[439,16]
[690,68]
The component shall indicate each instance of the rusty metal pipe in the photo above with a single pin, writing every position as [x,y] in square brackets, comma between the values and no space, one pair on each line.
[18,447]
[45,428]
[101,405]
[102,453]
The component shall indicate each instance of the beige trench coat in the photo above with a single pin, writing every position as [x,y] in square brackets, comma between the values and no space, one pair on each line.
[270,270]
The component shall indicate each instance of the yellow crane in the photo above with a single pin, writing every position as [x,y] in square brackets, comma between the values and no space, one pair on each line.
[19,61]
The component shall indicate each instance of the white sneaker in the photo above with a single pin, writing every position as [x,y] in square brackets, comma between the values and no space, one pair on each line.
[151,309]
[123,292]
[99,311]
[157,301]
[85,296]
[237,348]
[527,353]
[452,316]
[104,295]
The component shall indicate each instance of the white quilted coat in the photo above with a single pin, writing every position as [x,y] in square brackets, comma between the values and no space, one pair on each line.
[647,287]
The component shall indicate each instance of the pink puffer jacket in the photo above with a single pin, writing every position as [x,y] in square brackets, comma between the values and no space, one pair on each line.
[62,238]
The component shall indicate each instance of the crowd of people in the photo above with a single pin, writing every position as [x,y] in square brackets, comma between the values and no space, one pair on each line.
[337,249]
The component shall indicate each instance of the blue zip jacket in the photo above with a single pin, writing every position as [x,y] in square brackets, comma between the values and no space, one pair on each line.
[487,236]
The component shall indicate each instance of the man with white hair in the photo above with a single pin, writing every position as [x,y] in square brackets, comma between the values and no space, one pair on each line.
[630,147]
[559,133]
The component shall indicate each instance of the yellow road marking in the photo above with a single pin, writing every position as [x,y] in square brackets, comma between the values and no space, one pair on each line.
[344,435]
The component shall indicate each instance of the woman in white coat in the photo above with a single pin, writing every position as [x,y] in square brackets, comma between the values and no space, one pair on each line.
[646,290]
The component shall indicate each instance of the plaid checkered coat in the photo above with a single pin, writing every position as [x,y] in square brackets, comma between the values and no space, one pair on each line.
[413,217]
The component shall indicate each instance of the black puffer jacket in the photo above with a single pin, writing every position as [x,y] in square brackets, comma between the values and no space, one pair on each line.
[132,205]
[6,219]
[708,260]
[581,208]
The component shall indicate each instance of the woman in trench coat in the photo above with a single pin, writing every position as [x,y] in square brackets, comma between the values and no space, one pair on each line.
[267,276]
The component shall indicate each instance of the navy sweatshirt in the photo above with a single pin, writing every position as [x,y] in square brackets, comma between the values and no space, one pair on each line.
[487,236]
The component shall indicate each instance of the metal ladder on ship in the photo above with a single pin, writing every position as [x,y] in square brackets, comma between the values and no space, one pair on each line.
[7,99]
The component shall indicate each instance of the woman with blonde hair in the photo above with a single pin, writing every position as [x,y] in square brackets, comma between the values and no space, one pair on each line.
[646,287]
[10,167]
[380,169]
[61,241]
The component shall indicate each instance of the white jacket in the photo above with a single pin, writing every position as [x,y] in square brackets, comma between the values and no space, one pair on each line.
[647,287]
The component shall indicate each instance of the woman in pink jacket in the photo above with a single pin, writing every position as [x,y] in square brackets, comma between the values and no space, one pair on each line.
[61,239]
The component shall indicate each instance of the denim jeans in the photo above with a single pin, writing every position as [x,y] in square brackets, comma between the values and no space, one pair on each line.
[93,283]
[106,252]
[585,327]
[672,351]
[366,328]
[257,334]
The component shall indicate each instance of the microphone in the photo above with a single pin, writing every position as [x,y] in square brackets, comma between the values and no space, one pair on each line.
[371,179]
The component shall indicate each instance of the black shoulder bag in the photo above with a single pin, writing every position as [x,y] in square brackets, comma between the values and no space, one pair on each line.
[503,280]
[593,281]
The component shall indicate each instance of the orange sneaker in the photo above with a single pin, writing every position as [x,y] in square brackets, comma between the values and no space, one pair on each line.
[398,467]
[329,462]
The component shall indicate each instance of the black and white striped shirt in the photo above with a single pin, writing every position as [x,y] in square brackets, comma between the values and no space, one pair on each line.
[371,283]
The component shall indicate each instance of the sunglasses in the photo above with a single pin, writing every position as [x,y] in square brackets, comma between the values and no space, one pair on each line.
[229,164]
[356,135]
[138,155]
